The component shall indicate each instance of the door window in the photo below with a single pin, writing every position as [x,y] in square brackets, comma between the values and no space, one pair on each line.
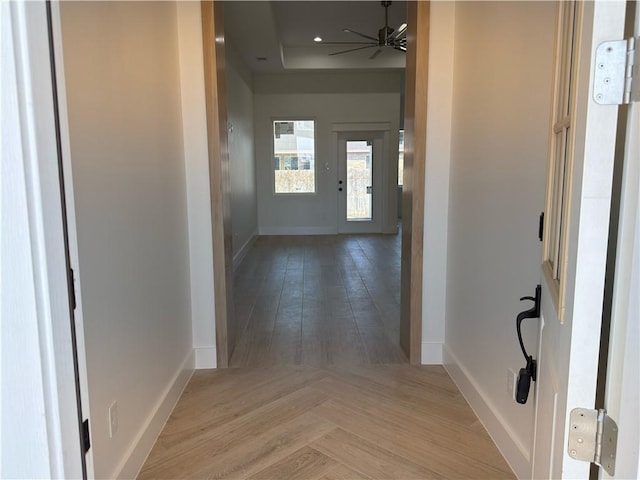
[559,172]
[359,180]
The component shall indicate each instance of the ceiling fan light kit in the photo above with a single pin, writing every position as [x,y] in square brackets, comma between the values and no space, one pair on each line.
[387,37]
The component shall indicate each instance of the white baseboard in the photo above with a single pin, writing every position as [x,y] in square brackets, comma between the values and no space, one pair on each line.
[431,353]
[298,230]
[242,252]
[516,455]
[146,438]
[206,357]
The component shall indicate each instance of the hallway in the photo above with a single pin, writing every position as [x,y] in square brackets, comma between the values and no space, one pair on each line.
[325,391]
[319,300]
[337,423]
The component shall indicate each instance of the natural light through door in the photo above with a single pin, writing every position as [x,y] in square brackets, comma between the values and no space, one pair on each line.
[359,180]
[360,186]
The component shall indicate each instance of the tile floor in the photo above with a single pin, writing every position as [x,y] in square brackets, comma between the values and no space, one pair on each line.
[319,300]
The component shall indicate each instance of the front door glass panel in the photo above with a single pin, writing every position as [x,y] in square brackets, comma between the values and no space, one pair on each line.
[359,180]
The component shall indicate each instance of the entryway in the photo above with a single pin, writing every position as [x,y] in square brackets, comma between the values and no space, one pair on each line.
[379,422]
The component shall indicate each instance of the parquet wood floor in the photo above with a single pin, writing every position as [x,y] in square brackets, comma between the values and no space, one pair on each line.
[325,391]
[334,423]
[319,300]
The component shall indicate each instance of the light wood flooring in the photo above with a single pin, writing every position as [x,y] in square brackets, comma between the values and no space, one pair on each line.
[319,300]
[324,392]
[334,423]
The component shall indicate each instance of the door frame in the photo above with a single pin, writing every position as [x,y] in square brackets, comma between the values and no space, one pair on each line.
[621,379]
[373,128]
[48,373]
[219,178]
[413,190]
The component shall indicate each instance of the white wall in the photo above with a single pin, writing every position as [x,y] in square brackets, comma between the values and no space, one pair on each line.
[501,91]
[196,160]
[244,214]
[124,108]
[436,201]
[328,98]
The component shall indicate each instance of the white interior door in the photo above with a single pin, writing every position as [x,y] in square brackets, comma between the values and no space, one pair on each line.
[577,208]
[359,182]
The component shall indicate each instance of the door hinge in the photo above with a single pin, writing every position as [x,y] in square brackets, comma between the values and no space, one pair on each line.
[86,437]
[593,437]
[616,78]
[541,227]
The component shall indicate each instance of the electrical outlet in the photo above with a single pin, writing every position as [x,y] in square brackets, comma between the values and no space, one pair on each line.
[113,419]
[512,378]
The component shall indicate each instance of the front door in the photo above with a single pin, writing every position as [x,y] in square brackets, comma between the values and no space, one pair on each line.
[359,182]
[579,175]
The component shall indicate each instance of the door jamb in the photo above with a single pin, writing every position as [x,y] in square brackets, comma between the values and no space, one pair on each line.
[413,191]
[220,183]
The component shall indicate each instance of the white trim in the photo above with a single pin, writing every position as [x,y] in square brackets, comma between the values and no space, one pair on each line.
[242,252]
[298,230]
[72,236]
[431,353]
[38,384]
[516,455]
[145,440]
[435,243]
[361,127]
[196,162]
[205,357]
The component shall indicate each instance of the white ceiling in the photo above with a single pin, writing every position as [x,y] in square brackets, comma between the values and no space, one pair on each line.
[282,32]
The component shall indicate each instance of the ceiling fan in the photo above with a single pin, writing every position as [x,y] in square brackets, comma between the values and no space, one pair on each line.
[387,37]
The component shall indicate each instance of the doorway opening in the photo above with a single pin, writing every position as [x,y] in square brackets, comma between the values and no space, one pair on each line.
[228,323]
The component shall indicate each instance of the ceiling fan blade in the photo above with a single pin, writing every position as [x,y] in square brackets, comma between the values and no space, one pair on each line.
[347,43]
[375,54]
[401,32]
[402,49]
[353,49]
[361,35]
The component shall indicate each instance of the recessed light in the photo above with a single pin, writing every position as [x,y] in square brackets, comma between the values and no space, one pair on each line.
[317,39]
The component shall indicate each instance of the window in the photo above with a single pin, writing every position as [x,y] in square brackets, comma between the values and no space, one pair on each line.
[401,158]
[294,156]
[559,173]
[557,181]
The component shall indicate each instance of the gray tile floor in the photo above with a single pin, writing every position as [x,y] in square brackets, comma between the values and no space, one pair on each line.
[319,300]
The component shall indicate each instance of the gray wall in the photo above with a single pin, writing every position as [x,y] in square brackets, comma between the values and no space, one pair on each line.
[244,214]
[328,98]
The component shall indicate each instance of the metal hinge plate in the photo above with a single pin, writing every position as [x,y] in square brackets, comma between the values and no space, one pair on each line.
[593,437]
[616,80]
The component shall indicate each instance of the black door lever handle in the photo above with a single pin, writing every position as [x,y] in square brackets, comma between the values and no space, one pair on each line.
[529,372]
[533,312]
